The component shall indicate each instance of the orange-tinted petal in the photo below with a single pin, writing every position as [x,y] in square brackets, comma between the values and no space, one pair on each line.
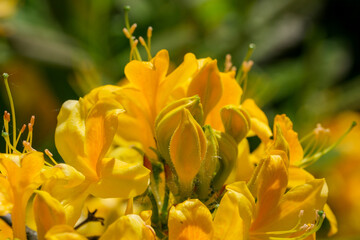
[207,84]
[48,212]
[190,220]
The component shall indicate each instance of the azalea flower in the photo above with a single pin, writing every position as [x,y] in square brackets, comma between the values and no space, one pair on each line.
[83,137]
[274,215]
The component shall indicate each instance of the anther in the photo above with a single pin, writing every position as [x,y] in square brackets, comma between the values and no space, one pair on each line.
[32,120]
[132,28]
[228,63]
[126,33]
[48,153]
[27,146]
[142,41]
[149,32]
[23,128]
[30,126]
[246,66]
[6,116]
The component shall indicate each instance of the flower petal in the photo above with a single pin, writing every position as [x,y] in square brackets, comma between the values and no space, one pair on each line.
[125,177]
[190,220]
[129,227]
[233,217]
[271,184]
[296,150]
[231,94]
[48,212]
[207,84]
[307,198]
[63,232]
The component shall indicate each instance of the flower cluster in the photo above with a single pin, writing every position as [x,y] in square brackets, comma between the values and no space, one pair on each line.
[173,147]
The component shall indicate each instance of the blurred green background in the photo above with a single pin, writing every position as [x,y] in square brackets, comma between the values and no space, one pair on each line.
[307,56]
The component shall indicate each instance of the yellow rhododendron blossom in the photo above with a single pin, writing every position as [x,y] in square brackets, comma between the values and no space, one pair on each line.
[83,139]
[275,214]
[23,177]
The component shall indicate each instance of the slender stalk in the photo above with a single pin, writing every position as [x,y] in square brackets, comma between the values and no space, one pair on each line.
[6,76]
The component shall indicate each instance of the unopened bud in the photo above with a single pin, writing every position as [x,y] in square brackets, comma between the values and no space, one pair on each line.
[236,122]
[168,120]
[187,150]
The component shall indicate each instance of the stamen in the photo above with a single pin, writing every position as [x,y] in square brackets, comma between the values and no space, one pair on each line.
[246,67]
[8,143]
[132,28]
[307,229]
[240,75]
[133,49]
[149,35]
[19,135]
[6,116]
[142,41]
[6,76]
[126,33]
[27,147]
[228,63]
[32,120]
[320,141]
[50,155]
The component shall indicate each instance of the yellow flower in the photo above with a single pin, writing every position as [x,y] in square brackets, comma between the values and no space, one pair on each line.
[343,175]
[83,136]
[150,90]
[8,8]
[275,214]
[21,176]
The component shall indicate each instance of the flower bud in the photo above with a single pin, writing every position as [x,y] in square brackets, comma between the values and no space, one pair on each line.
[236,122]
[168,120]
[228,152]
[187,150]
